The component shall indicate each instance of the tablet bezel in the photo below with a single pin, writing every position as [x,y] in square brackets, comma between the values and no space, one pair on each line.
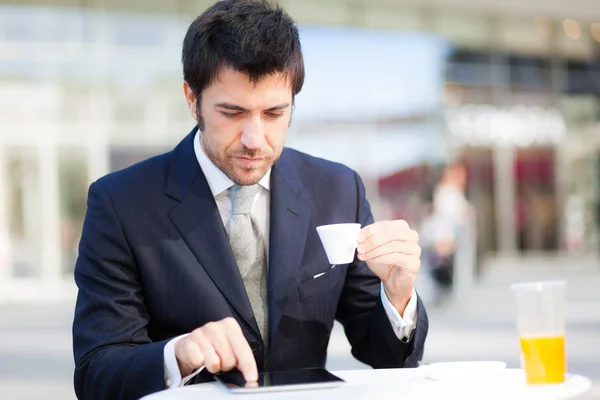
[227,380]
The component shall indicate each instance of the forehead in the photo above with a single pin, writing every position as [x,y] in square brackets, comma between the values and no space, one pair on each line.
[235,87]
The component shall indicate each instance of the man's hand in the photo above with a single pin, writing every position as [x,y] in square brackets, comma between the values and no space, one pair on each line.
[392,252]
[219,346]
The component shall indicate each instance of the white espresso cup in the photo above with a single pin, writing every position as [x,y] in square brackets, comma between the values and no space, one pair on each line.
[339,241]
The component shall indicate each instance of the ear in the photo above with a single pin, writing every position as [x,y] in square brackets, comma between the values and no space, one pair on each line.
[190,98]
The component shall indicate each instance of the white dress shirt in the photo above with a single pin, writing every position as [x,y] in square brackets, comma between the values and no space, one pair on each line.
[219,185]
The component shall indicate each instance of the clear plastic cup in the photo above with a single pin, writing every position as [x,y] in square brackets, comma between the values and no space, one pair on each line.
[540,309]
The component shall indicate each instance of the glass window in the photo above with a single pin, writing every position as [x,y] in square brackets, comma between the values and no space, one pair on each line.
[583,77]
[469,67]
[530,72]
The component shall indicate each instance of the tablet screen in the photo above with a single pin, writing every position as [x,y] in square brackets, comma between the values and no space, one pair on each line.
[316,377]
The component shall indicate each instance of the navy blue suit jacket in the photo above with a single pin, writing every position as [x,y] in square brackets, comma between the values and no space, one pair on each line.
[155,262]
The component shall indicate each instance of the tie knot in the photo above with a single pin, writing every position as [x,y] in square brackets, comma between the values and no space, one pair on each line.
[242,198]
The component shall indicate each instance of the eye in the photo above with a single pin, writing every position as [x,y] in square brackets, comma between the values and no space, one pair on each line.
[231,115]
[274,115]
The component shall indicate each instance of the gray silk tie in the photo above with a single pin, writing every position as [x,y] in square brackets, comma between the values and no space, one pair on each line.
[248,248]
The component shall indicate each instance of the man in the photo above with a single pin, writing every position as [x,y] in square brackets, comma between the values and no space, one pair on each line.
[204,259]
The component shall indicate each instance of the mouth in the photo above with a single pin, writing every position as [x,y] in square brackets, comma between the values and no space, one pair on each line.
[249,162]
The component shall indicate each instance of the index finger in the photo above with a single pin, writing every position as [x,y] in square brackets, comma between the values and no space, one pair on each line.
[369,231]
[245,359]
[376,227]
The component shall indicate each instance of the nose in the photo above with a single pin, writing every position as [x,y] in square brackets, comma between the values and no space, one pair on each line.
[253,136]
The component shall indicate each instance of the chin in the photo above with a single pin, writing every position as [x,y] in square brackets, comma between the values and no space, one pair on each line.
[246,177]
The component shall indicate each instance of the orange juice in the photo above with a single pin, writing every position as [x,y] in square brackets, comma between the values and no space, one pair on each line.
[544,359]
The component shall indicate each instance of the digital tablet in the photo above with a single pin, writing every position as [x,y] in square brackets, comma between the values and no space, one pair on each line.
[302,379]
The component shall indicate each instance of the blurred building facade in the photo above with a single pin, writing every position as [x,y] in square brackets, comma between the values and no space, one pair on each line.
[91,86]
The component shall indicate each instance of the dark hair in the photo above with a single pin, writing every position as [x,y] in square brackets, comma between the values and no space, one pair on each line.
[254,37]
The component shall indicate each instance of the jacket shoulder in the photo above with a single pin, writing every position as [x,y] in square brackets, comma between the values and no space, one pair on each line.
[316,166]
[149,172]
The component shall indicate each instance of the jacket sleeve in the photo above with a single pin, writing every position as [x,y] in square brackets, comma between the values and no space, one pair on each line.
[363,316]
[114,356]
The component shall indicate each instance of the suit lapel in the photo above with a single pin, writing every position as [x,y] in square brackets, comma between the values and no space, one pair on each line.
[198,221]
[290,216]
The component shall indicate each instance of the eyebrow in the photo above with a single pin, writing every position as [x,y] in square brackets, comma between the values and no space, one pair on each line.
[233,107]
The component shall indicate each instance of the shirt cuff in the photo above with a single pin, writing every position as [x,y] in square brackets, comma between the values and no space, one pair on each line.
[403,325]
[173,377]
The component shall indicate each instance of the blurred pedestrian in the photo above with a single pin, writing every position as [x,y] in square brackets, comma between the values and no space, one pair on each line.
[441,230]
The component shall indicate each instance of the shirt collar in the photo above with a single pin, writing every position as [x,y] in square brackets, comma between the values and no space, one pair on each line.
[217,180]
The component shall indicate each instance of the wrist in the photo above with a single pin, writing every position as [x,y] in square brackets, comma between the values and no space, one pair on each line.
[184,370]
[399,301]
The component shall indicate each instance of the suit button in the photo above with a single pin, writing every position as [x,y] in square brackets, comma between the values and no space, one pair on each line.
[254,346]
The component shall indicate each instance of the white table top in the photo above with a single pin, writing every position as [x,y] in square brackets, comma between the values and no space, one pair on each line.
[410,383]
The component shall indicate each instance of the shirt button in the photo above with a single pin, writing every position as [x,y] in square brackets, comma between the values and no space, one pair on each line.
[168,383]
